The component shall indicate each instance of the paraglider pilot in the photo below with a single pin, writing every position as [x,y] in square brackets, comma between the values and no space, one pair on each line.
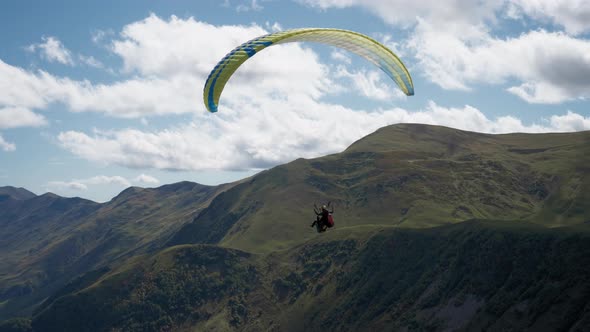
[324,218]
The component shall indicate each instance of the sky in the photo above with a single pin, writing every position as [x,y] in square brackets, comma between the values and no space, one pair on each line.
[97,96]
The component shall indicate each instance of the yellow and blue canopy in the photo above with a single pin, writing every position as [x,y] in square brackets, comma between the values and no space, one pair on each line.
[360,44]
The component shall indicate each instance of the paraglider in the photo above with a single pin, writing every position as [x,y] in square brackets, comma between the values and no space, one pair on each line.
[355,42]
[324,218]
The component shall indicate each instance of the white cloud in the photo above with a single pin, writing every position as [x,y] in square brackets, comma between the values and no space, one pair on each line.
[90,61]
[454,15]
[551,66]
[6,146]
[239,139]
[570,122]
[341,56]
[53,50]
[103,179]
[275,27]
[13,117]
[254,138]
[370,84]
[63,185]
[132,98]
[573,15]
[252,5]
[540,93]
[156,47]
[19,88]
[135,98]
[147,179]
[451,15]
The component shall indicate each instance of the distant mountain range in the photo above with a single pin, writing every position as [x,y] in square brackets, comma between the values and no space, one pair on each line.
[47,240]
[436,229]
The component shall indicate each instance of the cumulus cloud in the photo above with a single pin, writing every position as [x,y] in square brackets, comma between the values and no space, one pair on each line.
[13,117]
[551,66]
[451,14]
[154,46]
[143,96]
[147,179]
[238,140]
[570,122]
[573,15]
[245,140]
[6,146]
[370,84]
[53,50]
[65,185]
[103,179]
[341,56]
[20,88]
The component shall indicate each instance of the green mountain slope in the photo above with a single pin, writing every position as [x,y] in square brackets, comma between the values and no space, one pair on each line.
[406,175]
[472,276]
[48,240]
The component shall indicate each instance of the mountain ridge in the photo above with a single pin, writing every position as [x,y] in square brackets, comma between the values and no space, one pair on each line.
[49,239]
[15,193]
[416,176]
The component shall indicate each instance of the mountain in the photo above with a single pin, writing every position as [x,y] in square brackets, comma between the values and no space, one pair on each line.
[47,240]
[407,175]
[436,229]
[9,192]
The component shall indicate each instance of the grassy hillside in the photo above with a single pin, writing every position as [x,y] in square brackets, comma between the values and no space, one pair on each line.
[473,275]
[48,240]
[406,175]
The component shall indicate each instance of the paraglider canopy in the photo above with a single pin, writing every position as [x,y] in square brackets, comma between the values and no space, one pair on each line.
[355,42]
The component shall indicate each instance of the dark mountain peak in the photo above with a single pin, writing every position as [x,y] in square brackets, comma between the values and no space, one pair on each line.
[183,186]
[179,187]
[127,193]
[59,203]
[162,191]
[16,193]
[48,195]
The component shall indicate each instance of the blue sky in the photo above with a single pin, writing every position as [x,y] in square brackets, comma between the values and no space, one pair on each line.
[99,96]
